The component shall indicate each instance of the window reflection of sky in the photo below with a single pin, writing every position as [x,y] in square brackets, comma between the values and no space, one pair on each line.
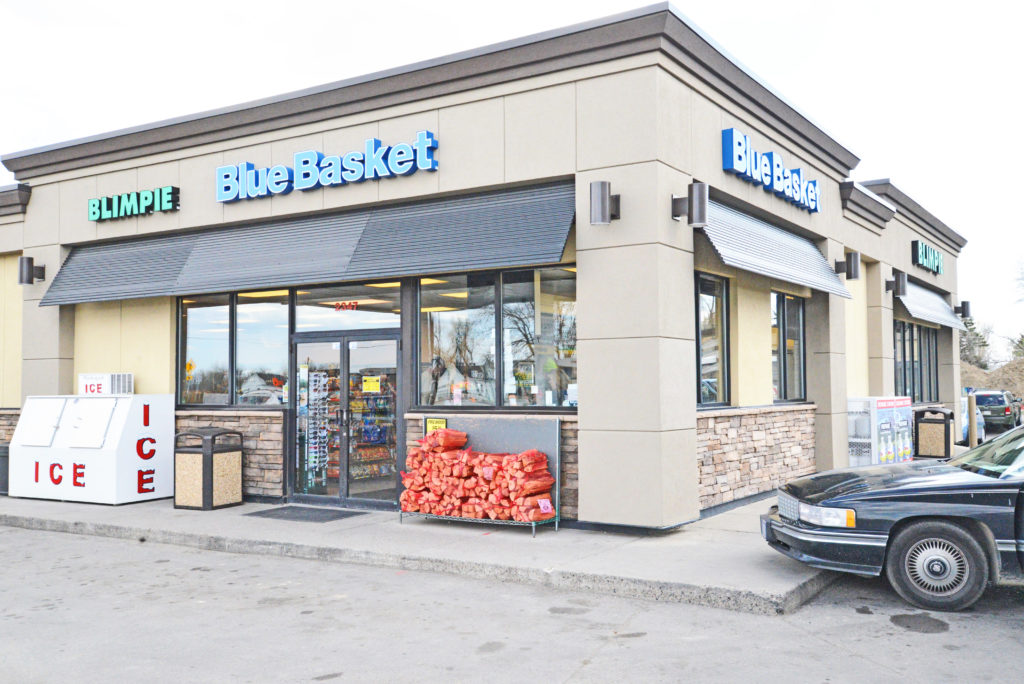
[207,337]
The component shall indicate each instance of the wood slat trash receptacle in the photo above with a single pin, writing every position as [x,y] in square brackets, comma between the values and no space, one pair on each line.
[933,432]
[5,464]
[207,474]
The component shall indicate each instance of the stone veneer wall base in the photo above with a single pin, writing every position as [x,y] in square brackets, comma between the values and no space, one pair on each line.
[262,444]
[746,451]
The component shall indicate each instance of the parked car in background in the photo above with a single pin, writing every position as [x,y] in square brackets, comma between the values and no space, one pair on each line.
[979,419]
[1000,408]
[941,531]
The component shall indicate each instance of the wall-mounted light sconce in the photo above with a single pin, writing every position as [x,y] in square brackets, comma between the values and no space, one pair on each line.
[850,266]
[694,205]
[898,284]
[604,206]
[28,272]
[964,309]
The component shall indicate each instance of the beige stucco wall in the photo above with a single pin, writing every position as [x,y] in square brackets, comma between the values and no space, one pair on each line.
[857,373]
[750,344]
[131,336]
[10,332]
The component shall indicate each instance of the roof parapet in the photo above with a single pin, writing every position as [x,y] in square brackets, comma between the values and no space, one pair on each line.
[860,201]
[883,187]
[14,198]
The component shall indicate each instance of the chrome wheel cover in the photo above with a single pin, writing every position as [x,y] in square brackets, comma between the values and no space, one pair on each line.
[937,567]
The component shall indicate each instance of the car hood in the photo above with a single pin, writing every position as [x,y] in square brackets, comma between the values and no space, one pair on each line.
[851,483]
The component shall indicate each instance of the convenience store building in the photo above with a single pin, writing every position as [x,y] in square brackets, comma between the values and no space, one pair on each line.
[491,233]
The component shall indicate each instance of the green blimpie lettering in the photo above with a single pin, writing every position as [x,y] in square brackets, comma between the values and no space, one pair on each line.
[94,210]
[145,201]
[105,209]
[129,204]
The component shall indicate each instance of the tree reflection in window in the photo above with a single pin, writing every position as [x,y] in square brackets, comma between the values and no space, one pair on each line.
[539,337]
[457,340]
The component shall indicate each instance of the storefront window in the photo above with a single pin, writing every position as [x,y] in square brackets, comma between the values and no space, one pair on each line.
[712,350]
[348,307]
[205,327]
[897,337]
[457,336]
[787,317]
[916,361]
[794,348]
[261,347]
[538,316]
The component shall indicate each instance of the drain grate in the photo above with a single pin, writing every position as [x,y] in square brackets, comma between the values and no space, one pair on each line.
[305,513]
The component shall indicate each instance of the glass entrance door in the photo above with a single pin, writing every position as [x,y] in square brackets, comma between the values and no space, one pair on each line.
[346,427]
[318,418]
[372,441]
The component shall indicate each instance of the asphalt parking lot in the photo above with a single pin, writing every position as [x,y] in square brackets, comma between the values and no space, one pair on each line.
[93,609]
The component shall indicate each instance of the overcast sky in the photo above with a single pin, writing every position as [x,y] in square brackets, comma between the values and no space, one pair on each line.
[925,93]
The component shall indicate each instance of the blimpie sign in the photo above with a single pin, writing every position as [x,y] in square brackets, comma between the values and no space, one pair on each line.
[99,449]
[926,256]
[134,203]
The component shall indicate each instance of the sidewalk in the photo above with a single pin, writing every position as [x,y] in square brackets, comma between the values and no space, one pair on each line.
[720,561]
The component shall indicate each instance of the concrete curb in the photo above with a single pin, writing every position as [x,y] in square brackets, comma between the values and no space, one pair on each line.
[628,587]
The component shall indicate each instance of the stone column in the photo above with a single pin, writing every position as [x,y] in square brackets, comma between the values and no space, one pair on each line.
[826,370]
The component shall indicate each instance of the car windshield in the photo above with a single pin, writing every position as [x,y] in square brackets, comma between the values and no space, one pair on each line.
[1001,457]
[989,399]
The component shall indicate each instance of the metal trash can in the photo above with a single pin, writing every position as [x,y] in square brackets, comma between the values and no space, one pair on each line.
[933,432]
[207,475]
[5,464]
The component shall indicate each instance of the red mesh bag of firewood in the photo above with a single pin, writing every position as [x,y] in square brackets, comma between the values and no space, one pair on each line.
[534,483]
[409,501]
[450,438]
[414,460]
[413,481]
[444,439]
[473,508]
[533,508]
[528,461]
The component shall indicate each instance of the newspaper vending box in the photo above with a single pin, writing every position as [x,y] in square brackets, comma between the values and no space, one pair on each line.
[110,449]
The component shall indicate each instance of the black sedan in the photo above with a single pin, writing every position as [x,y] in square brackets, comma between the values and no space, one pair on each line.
[940,530]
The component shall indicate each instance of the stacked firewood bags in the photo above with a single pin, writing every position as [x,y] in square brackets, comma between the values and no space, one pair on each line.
[446,477]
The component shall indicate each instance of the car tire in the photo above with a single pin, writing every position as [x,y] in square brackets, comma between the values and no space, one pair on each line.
[937,565]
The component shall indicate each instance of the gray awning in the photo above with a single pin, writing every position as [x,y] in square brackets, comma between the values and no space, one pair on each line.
[753,245]
[507,228]
[927,305]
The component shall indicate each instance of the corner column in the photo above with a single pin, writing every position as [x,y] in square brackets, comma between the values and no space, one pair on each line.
[635,340]
[826,370]
[949,374]
[881,374]
[48,332]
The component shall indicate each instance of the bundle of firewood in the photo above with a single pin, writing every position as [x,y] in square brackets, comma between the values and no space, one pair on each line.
[446,477]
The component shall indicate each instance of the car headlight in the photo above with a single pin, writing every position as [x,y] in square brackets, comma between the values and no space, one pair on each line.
[823,516]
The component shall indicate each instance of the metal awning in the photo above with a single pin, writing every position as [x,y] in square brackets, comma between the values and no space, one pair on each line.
[926,305]
[508,228]
[753,245]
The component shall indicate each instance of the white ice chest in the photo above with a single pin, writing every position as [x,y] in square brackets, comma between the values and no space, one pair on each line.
[110,449]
